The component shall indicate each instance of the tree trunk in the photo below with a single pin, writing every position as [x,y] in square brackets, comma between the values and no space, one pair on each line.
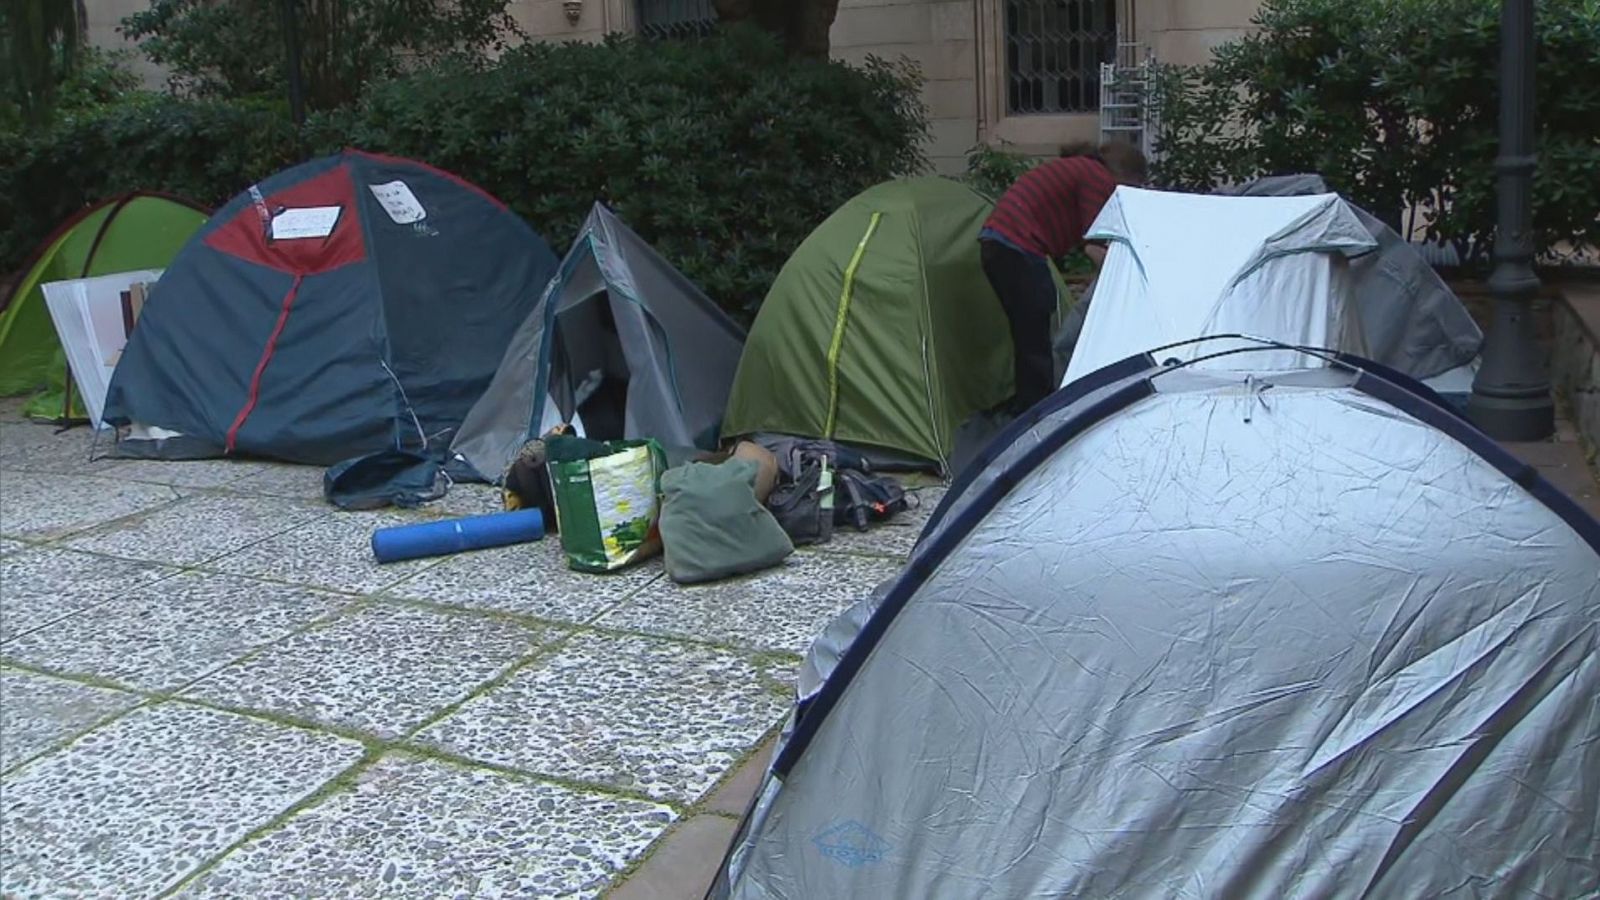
[801,24]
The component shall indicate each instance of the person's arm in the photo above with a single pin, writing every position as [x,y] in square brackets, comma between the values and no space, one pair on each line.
[1096,253]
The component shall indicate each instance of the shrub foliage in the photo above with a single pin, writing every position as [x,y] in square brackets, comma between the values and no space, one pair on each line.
[1395,102]
[723,153]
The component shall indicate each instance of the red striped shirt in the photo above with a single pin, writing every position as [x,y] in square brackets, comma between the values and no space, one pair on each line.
[1050,207]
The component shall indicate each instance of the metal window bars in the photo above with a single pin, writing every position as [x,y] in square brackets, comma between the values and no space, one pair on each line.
[1054,50]
[673,19]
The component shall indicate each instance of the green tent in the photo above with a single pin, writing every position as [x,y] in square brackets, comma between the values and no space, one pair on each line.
[881,330]
[135,231]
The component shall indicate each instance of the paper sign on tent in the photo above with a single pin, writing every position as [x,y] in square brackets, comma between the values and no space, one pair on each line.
[398,201]
[305,222]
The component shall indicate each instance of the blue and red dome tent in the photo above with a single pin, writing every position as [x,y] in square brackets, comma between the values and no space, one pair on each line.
[348,305]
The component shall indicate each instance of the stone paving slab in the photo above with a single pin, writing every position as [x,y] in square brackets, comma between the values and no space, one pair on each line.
[469,500]
[528,579]
[282,480]
[661,718]
[17,436]
[200,528]
[37,448]
[782,609]
[133,807]
[45,505]
[333,552]
[195,473]
[167,634]
[413,827]
[39,712]
[39,586]
[381,669]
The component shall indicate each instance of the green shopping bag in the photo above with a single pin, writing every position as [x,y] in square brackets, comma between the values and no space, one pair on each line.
[608,500]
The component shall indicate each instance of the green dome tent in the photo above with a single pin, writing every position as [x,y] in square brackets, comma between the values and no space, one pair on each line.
[134,231]
[881,330]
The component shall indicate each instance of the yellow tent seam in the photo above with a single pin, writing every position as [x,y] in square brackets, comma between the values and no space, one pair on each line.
[840,318]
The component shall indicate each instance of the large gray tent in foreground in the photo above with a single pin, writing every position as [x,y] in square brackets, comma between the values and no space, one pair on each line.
[1184,632]
[620,339]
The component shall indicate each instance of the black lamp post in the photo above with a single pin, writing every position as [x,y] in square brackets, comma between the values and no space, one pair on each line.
[1511,396]
[291,48]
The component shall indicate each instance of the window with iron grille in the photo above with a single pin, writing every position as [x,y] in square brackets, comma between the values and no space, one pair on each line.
[676,18]
[1054,49]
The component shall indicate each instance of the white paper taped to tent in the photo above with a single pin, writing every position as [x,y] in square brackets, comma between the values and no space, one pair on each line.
[93,319]
[1183,266]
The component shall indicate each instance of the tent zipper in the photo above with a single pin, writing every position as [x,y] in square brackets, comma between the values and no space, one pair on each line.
[843,315]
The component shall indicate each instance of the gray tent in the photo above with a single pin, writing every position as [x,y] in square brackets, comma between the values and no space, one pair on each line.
[1412,322]
[621,340]
[1198,633]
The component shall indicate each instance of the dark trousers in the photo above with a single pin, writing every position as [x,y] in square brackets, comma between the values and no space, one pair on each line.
[1028,296]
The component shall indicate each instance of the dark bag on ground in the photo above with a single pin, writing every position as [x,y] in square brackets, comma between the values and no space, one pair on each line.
[823,485]
[862,499]
[387,478]
[802,505]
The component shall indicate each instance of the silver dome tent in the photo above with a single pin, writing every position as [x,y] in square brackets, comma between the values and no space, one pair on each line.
[1190,632]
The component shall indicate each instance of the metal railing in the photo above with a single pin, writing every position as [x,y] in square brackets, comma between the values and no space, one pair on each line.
[1054,50]
[669,19]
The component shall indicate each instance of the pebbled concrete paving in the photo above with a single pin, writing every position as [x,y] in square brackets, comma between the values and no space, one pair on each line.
[209,689]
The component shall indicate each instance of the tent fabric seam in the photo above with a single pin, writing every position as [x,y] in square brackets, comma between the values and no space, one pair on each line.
[261,365]
[925,320]
[841,319]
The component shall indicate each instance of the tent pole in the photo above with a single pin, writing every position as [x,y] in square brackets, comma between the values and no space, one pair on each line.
[1511,395]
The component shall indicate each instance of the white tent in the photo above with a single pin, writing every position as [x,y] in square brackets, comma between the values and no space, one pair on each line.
[1196,633]
[1182,266]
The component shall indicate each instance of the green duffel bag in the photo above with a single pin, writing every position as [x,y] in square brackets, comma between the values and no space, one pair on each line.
[713,527]
[607,499]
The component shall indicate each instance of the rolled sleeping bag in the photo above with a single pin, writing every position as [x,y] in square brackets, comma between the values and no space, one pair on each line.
[456,535]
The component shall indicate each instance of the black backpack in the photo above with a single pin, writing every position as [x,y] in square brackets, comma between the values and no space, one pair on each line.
[798,504]
[856,496]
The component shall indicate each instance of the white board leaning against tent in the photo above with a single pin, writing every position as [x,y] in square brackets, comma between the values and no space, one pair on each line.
[1182,266]
[93,318]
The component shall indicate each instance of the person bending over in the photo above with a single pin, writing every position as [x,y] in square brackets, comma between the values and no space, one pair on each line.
[1044,216]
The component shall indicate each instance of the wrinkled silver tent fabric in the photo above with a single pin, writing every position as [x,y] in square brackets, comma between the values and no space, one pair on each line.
[1272,267]
[1210,635]
[1412,320]
[680,350]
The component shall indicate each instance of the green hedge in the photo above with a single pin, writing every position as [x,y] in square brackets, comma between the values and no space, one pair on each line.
[723,153]
[205,151]
[1395,102]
